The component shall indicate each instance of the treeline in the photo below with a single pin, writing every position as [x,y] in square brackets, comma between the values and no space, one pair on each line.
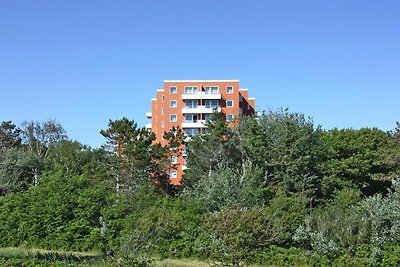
[272,190]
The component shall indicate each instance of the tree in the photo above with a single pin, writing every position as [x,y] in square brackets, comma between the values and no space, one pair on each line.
[219,176]
[228,188]
[391,154]
[165,159]
[212,151]
[291,153]
[39,137]
[18,168]
[355,158]
[63,212]
[10,135]
[130,150]
[75,158]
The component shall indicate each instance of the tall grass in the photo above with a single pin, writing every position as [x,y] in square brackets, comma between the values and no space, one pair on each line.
[57,257]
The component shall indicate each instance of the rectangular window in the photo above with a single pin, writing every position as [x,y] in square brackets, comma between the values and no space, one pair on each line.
[248,106]
[229,103]
[162,124]
[190,89]
[173,118]
[172,104]
[212,104]
[191,104]
[162,111]
[240,98]
[230,117]
[212,90]
[240,110]
[173,174]
[172,90]
[229,89]
[162,98]
[207,117]
[174,160]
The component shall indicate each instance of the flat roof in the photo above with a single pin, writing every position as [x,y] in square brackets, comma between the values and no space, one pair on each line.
[193,81]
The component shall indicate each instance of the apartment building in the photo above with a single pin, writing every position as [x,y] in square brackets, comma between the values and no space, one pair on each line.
[189,104]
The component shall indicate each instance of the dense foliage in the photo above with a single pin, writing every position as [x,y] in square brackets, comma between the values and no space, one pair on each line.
[274,190]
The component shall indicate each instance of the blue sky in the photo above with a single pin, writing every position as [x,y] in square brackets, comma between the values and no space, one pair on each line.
[85,62]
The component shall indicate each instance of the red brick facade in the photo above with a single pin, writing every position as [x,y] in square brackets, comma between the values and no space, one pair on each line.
[189,103]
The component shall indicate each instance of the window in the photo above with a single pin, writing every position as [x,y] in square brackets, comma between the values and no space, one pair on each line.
[174,160]
[207,117]
[248,106]
[191,104]
[230,117]
[172,104]
[173,118]
[191,131]
[212,104]
[212,90]
[240,110]
[162,111]
[229,103]
[240,98]
[162,98]
[172,89]
[229,89]
[190,118]
[190,89]
[162,124]
[173,174]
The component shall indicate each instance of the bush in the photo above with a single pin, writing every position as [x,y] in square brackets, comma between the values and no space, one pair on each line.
[391,256]
[167,229]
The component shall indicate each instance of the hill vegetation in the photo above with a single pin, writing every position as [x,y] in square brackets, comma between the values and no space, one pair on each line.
[273,190]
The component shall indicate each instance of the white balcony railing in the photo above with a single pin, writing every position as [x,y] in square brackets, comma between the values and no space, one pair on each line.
[201,95]
[194,124]
[148,115]
[200,110]
[148,126]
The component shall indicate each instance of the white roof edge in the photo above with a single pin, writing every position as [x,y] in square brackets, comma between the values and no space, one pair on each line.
[154,99]
[160,90]
[243,89]
[181,81]
[252,98]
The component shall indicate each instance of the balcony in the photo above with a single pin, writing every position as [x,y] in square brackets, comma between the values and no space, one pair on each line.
[148,115]
[200,110]
[148,126]
[194,124]
[201,95]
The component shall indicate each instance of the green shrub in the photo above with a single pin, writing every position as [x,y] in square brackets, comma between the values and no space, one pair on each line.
[391,256]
